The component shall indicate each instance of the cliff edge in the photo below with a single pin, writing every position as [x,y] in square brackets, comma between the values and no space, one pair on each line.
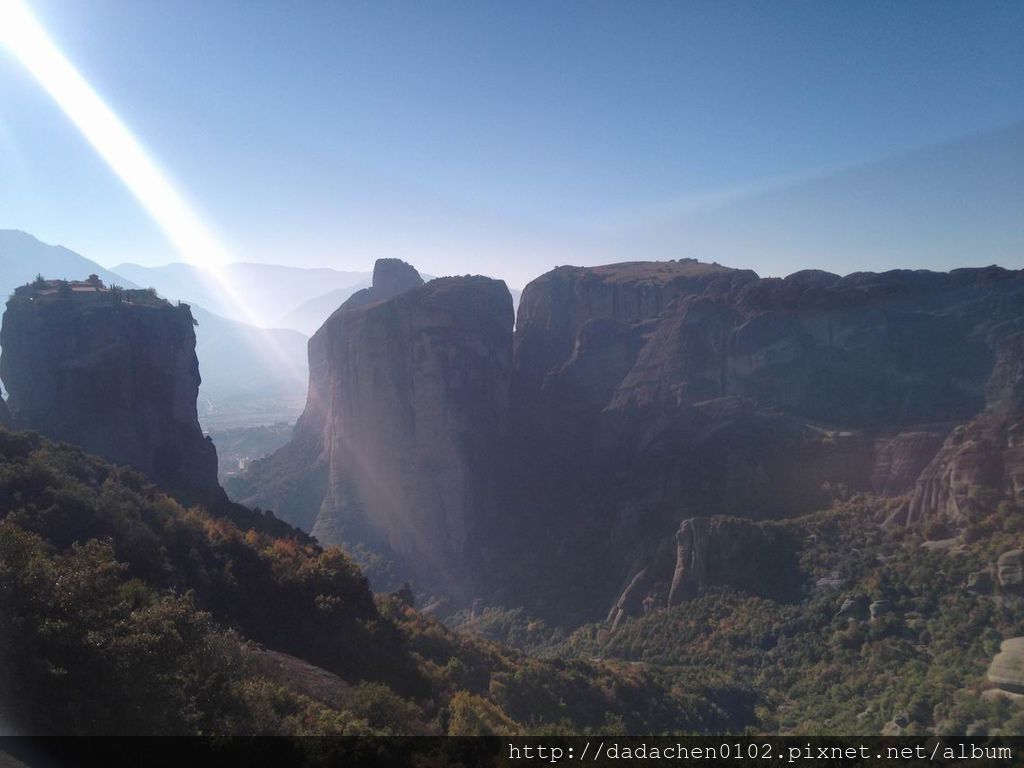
[114,371]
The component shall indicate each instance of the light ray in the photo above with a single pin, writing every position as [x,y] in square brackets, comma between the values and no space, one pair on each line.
[26,38]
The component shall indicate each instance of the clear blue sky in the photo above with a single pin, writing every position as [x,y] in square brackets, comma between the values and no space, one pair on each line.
[507,138]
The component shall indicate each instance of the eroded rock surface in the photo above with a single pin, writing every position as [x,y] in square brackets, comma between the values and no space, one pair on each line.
[405,417]
[753,557]
[646,394]
[415,418]
[114,372]
[293,482]
[553,470]
[1007,668]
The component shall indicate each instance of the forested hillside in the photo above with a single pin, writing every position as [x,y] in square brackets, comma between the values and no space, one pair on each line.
[121,611]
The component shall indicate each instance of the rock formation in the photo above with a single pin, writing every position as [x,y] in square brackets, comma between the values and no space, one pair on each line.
[415,414]
[642,395]
[900,459]
[115,372]
[982,461]
[5,414]
[405,416]
[293,482]
[717,551]
[753,557]
[880,608]
[646,394]
[1010,574]
[1006,671]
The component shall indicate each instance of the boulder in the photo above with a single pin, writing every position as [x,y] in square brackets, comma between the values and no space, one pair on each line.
[1006,671]
[1010,571]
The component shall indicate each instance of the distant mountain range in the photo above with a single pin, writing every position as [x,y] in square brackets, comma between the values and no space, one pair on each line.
[22,257]
[251,376]
[271,293]
[310,315]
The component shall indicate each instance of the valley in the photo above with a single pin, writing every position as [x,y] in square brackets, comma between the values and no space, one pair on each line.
[724,502]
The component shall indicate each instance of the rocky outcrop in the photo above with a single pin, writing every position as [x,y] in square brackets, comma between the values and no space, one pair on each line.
[293,481]
[415,415]
[1006,671]
[979,463]
[900,459]
[857,351]
[405,417]
[556,307]
[982,461]
[645,394]
[638,396]
[752,557]
[880,608]
[1010,573]
[115,372]
[391,277]
[854,608]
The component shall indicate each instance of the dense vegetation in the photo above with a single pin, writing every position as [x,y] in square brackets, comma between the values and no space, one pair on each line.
[123,612]
[810,671]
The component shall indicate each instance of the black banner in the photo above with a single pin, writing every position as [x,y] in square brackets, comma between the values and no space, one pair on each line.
[190,752]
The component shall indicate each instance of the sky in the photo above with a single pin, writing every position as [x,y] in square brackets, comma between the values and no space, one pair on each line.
[508,138]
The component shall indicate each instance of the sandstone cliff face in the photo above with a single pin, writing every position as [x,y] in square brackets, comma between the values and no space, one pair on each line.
[391,277]
[982,461]
[857,351]
[293,482]
[114,372]
[415,416]
[638,396]
[646,394]
[399,443]
[900,459]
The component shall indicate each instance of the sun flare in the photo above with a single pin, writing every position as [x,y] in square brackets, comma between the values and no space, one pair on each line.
[25,37]
[29,42]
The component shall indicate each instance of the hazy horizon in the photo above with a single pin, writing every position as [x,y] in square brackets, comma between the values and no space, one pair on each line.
[508,140]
